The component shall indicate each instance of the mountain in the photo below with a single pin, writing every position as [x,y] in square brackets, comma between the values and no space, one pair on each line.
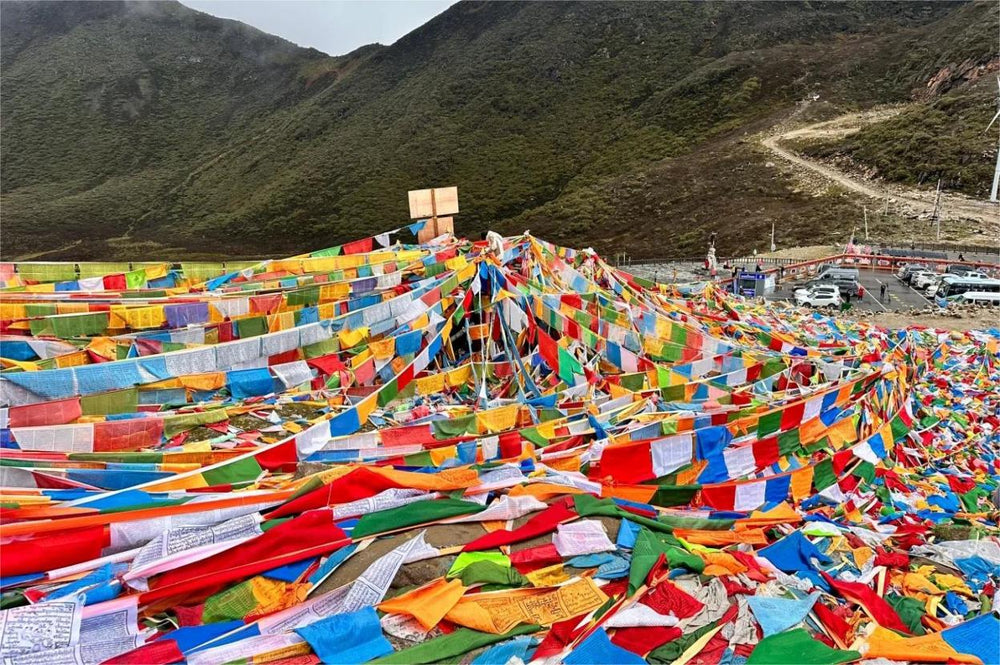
[149,128]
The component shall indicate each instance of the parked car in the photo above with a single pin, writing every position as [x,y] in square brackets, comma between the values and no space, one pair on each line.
[845,285]
[836,273]
[977,297]
[819,296]
[931,289]
[910,270]
[921,279]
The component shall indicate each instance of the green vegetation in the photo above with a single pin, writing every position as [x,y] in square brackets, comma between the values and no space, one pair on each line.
[940,139]
[615,125]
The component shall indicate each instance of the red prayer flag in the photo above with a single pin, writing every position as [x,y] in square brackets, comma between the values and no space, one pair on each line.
[875,605]
[48,550]
[642,640]
[308,530]
[57,412]
[542,523]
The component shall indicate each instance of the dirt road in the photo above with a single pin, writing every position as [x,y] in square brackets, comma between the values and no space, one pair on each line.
[984,214]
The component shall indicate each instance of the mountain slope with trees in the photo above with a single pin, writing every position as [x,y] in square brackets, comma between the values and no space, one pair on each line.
[151,128]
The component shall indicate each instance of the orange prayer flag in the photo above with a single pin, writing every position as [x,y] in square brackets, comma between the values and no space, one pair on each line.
[429,603]
[802,483]
[811,431]
[637,493]
[722,538]
[930,648]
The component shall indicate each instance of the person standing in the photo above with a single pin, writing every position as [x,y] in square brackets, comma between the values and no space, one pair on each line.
[881,293]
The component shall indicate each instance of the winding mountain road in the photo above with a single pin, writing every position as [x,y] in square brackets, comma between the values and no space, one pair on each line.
[906,199]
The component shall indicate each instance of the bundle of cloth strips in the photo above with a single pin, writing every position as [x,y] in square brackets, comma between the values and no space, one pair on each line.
[484,452]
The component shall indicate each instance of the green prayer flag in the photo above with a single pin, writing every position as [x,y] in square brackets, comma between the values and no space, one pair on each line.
[788,442]
[772,367]
[645,553]
[466,559]
[568,366]
[456,643]
[232,472]
[135,279]
[115,401]
[420,512]
[672,650]
[388,392]
[823,475]
[233,603]
[673,393]
[80,325]
[418,459]
[769,423]
[487,572]
[40,327]
[531,434]
[910,610]
[797,647]
[865,471]
[633,382]
[307,296]
[251,326]
[173,425]
[674,495]
[899,429]
[452,427]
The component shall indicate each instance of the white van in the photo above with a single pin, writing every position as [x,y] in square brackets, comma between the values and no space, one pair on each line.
[977,297]
[832,273]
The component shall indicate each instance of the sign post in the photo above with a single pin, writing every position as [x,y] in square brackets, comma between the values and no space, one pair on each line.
[429,203]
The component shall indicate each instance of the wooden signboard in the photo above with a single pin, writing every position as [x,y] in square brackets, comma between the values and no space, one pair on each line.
[429,204]
[433,202]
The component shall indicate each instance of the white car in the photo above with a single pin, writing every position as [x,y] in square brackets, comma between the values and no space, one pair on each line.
[923,279]
[932,288]
[975,275]
[819,296]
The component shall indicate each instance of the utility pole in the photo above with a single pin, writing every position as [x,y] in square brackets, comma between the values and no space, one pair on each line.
[866,223]
[996,172]
[937,209]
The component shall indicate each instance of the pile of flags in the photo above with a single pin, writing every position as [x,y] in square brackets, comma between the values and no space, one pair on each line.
[486,452]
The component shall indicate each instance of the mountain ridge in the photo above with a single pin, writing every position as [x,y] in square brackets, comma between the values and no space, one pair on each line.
[534,110]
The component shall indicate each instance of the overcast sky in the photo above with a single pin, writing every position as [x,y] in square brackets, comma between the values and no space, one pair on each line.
[335,27]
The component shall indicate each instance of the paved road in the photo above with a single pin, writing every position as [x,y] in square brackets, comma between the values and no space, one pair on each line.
[899,295]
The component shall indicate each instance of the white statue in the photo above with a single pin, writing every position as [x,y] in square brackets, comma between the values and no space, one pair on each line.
[710,261]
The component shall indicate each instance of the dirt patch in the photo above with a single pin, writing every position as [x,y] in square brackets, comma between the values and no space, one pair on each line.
[201,433]
[248,423]
[807,253]
[971,319]
[970,214]
[298,410]
[411,574]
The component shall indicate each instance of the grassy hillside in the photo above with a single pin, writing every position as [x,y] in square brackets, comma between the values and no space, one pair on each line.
[174,130]
[941,139]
